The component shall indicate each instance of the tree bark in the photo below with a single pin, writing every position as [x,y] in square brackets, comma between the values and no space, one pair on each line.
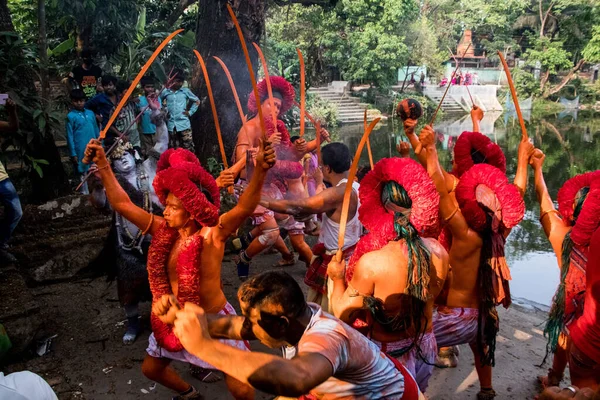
[182,5]
[43,50]
[216,36]
[6,24]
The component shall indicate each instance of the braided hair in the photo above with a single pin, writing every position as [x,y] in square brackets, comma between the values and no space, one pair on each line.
[556,318]
[395,198]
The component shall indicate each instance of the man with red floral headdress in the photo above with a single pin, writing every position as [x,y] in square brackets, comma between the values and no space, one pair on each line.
[286,175]
[480,216]
[576,201]
[188,243]
[398,268]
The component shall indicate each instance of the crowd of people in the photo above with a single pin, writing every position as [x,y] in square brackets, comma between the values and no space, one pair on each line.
[421,271]
[461,78]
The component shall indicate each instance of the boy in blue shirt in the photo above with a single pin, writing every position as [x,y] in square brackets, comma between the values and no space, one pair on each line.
[147,128]
[178,100]
[81,128]
[104,103]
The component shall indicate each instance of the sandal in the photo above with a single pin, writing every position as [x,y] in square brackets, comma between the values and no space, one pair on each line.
[286,262]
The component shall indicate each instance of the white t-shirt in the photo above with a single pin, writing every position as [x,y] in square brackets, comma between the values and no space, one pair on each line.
[25,385]
[360,369]
[330,229]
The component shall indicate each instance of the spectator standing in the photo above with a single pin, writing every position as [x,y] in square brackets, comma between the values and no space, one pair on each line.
[181,103]
[86,75]
[81,128]
[8,194]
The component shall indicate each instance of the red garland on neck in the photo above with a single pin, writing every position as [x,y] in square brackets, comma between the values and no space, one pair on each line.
[188,278]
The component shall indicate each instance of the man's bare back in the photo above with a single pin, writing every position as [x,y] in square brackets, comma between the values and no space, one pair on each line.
[386,271]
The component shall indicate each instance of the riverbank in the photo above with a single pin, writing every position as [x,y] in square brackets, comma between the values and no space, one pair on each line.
[88,360]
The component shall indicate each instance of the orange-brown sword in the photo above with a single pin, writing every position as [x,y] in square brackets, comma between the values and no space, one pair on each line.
[513,93]
[368,141]
[133,85]
[213,107]
[348,190]
[302,93]
[250,71]
[268,81]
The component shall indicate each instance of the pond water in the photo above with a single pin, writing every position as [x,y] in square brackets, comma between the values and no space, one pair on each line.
[571,142]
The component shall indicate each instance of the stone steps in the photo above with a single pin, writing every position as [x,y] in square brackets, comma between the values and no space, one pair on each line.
[350,109]
[449,104]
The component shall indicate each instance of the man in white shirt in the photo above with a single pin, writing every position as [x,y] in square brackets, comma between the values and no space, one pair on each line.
[25,385]
[323,356]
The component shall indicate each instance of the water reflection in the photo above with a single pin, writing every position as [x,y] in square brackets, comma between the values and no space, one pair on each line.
[572,145]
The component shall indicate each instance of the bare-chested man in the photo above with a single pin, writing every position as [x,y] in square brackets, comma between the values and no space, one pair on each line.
[489,207]
[287,170]
[187,248]
[573,198]
[336,162]
[396,272]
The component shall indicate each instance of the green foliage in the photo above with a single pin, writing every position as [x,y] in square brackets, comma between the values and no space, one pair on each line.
[525,83]
[551,54]
[214,167]
[362,39]
[591,52]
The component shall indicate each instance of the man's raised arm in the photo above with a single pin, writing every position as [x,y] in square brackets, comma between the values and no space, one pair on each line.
[449,209]
[232,220]
[117,197]
[554,227]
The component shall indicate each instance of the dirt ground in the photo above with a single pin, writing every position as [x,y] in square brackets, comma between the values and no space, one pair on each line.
[89,361]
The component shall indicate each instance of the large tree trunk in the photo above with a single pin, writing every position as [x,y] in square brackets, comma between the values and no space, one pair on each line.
[6,24]
[43,50]
[216,36]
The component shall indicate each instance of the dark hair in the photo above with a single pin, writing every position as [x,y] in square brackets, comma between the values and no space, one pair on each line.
[362,171]
[122,86]
[337,157]
[418,266]
[477,157]
[294,138]
[106,79]
[274,287]
[147,80]
[178,74]
[87,53]
[77,94]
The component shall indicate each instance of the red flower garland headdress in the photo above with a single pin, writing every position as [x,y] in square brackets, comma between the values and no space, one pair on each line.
[589,218]
[513,206]
[568,192]
[412,176]
[278,84]
[475,141]
[179,172]
[378,220]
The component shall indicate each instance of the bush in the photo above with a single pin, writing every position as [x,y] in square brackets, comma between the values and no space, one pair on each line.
[525,83]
